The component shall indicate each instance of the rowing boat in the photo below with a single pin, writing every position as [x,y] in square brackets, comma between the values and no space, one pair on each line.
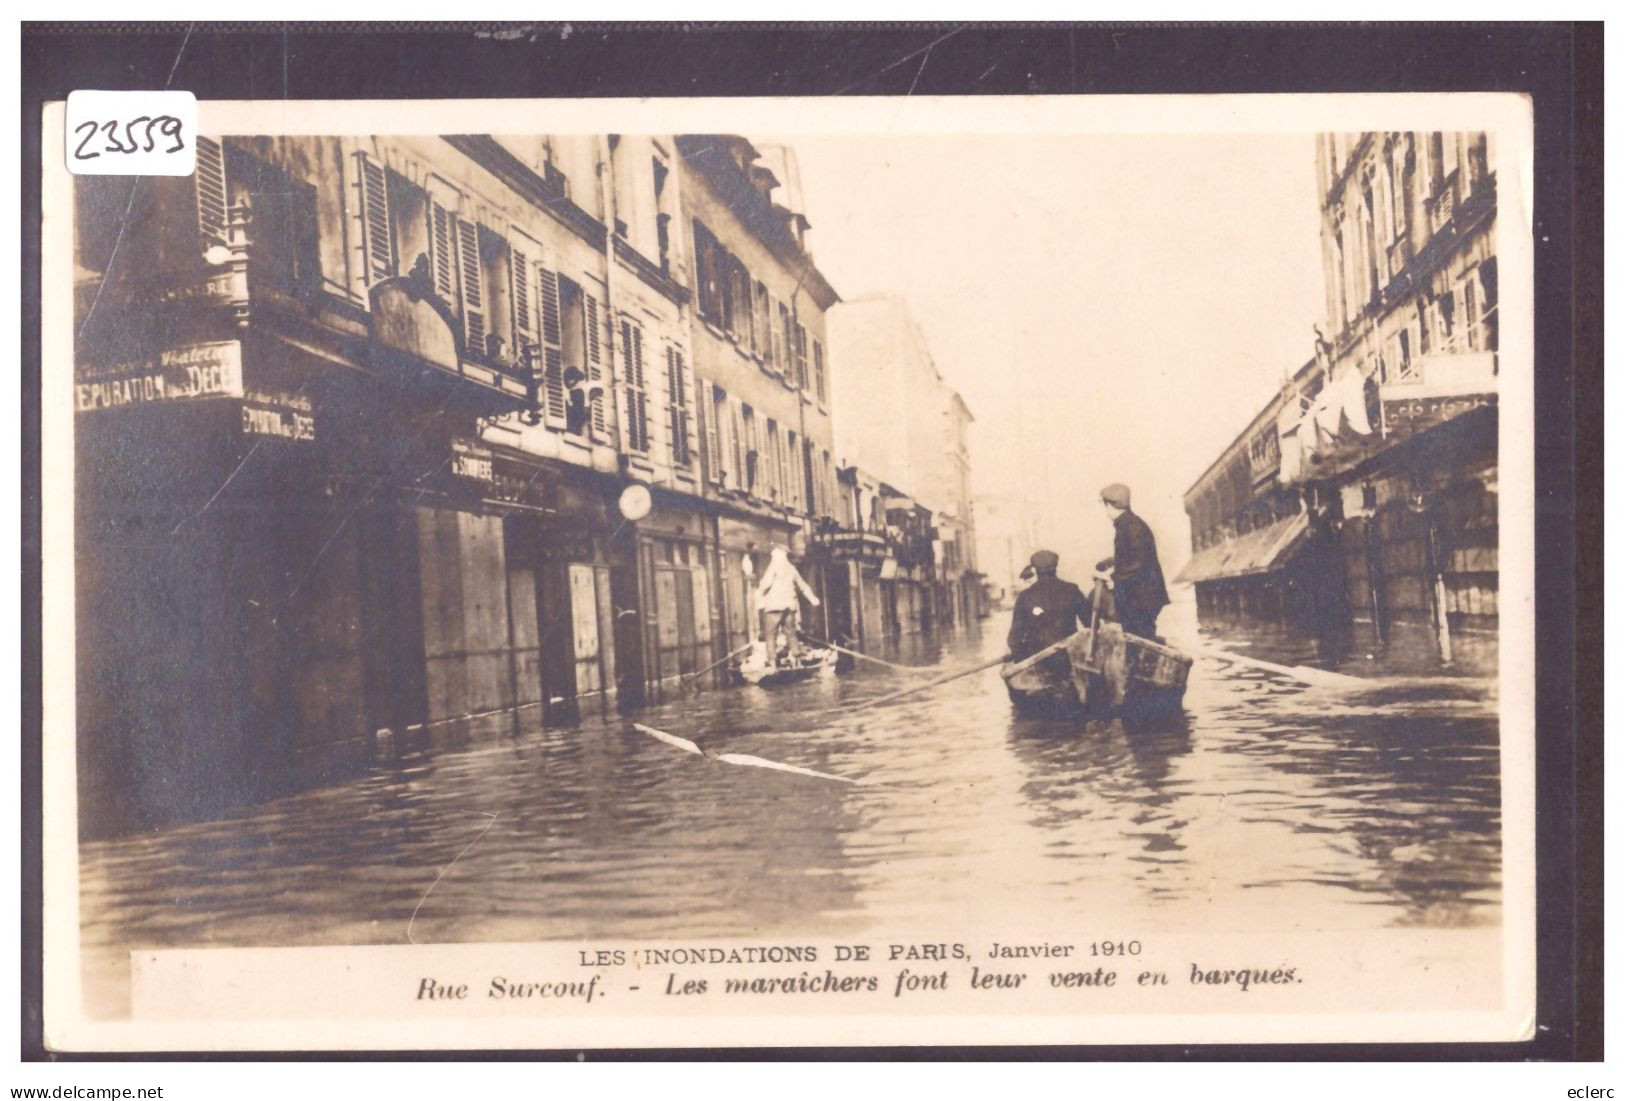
[758,669]
[1099,671]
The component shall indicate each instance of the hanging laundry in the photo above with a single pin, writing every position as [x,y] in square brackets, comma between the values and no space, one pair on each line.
[1291,455]
[1353,387]
[1328,413]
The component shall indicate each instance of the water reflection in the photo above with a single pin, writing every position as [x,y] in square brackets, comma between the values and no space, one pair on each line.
[1265,803]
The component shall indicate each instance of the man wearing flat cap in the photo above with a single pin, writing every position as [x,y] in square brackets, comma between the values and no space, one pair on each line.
[1047,610]
[1138,589]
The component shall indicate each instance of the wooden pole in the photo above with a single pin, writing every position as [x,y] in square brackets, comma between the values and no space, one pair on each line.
[928,684]
[683,683]
[856,654]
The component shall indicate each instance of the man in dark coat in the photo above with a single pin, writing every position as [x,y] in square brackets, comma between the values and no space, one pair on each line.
[1047,611]
[1138,589]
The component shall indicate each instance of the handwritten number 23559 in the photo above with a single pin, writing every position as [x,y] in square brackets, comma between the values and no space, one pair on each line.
[167,125]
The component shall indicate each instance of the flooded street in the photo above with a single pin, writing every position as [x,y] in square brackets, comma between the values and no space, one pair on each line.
[1267,799]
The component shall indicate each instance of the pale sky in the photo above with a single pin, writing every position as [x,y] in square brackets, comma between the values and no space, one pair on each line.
[1112,308]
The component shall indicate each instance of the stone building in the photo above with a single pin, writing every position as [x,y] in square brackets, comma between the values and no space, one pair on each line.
[356,423]
[902,433]
[1386,441]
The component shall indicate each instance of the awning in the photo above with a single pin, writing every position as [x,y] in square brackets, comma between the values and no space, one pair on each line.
[1260,551]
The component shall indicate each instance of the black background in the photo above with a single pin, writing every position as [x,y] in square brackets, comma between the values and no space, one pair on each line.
[1558,65]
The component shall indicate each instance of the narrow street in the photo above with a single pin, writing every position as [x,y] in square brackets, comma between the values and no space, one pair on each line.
[1267,797]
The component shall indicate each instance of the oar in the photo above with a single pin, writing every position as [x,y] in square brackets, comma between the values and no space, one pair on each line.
[683,683]
[928,684]
[1303,674]
[865,657]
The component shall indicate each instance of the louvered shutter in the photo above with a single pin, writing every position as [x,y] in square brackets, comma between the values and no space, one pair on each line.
[673,420]
[595,366]
[210,184]
[678,392]
[555,403]
[637,413]
[716,410]
[468,257]
[736,441]
[524,315]
[376,240]
[691,398]
[440,249]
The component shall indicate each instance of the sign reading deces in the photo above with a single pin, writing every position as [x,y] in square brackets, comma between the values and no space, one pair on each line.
[213,370]
[277,415]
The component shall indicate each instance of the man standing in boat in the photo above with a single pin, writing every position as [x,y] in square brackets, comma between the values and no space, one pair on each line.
[1138,590]
[1047,611]
[776,596]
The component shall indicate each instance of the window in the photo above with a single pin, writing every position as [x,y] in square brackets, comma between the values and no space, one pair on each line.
[662,219]
[636,422]
[705,273]
[759,310]
[282,223]
[775,462]
[573,346]
[818,371]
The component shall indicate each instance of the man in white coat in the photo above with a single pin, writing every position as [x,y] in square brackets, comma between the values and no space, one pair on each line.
[776,598]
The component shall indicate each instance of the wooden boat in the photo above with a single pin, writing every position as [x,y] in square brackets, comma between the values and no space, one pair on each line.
[1099,671]
[758,669]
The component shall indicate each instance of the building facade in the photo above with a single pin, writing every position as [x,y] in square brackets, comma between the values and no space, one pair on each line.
[1380,455]
[356,423]
[903,437]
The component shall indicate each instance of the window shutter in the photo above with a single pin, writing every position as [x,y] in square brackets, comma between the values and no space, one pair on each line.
[775,317]
[717,409]
[691,397]
[468,253]
[555,402]
[736,441]
[210,183]
[637,408]
[524,318]
[376,240]
[595,365]
[440,251]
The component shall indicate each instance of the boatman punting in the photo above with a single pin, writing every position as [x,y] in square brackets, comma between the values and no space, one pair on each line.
[1138,590]
[776,596]
[1046,611]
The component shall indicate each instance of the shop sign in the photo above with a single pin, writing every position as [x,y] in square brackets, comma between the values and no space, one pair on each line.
[213,370]
[276,415]
[214,290]
[471,461]
[1409,415]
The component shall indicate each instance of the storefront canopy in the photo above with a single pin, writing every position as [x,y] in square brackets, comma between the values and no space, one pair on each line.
[1259,551]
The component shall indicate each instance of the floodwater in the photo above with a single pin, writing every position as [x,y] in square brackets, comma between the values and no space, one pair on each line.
[1267,802]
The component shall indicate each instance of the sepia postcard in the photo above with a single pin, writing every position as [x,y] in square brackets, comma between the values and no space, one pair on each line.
[765,572]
